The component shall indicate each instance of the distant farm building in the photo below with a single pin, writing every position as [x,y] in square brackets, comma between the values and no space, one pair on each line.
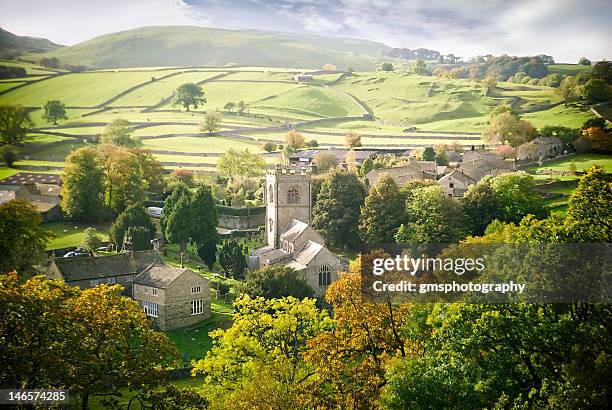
[42,191]
[302,77]
[540,147]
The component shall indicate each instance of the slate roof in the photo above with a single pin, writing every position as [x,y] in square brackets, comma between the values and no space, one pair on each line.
[159,276]
[23,178]
[340,154]
[294,230]
[307,253]
[96,267]
[459,176]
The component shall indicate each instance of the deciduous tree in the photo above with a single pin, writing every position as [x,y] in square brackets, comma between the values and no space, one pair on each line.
[83,186]
[14,123]
[118,132]
[274,282]
[382,213]
[189,95]
[55,111]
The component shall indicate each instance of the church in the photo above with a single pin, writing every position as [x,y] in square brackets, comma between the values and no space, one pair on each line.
[291,241]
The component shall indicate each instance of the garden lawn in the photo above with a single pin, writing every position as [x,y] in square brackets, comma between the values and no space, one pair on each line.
[71,234]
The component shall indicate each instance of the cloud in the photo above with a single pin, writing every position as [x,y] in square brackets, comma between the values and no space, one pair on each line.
[566,29]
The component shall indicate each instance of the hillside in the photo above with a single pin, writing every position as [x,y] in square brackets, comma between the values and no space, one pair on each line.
[199,46]
[11,44]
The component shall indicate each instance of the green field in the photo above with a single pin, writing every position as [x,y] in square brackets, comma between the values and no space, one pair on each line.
[583,163]
[71,234]
[571,69]
[200,144]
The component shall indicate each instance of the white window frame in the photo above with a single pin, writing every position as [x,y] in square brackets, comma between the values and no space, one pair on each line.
[196,289]
[111,280]
[197,307]
[150,308]
[94,282]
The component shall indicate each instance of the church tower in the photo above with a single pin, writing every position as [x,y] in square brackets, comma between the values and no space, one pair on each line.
[288,196]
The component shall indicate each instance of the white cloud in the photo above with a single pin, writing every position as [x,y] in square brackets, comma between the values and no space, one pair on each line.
[72,21]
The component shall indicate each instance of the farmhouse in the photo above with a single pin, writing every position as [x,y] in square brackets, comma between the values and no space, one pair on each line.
[302,77]
[406,173]
[171,297]
[455,184]
[540,147]
[307,157]
[42,191]
[291,241]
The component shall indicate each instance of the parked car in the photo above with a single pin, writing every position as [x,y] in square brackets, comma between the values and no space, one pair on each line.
[77,253]
[155,211]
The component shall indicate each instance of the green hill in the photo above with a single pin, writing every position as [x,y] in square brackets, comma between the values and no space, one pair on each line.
[199,46]
[12,45]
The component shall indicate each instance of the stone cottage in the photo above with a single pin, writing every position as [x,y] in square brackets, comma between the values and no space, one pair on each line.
[172,297]
[455,184]
[291,241]
[540,147]
[415,170]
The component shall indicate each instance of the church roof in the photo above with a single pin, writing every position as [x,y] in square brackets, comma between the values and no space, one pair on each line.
[294,230]
[308,252]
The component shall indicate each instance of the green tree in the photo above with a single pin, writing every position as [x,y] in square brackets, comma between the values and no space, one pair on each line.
[489,83]
[257,362]
[419,67]
[275,282]
[22,239]
[312,143]
[118,132]
[204,224]
[595,90]
[241,106]
[138,238]
[429,154]
[366,166]
[124,183]
[603,71]
[589,206]
[55,111]
[83,186]
[336,212]
[382,213]
[133,216]
[189,95]
[240,163]
[385,67]
[179,190]
[432,217]
[91,240]
[179,225]
[269,146]
[232,258]
[212,122]
[14,123]
[229,107]
[9,155]
[567,89]
[584,61]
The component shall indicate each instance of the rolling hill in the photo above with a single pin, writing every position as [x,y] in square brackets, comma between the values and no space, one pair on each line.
[11,44]
[200,46]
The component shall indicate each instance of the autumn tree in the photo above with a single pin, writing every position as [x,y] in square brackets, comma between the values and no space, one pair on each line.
[329,67]
[83,186]
[14,123]
[188,95]
[295,139]
[123,182]
[352,140]
[54,111]
[324,161]
[118,132]
[212,122]
[274,282]
[598,138]
[508,127]
[336,212]
[257,362]
[22,238]
[350,359]
[382,213]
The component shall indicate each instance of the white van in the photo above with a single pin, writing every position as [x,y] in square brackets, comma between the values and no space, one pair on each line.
[155,211]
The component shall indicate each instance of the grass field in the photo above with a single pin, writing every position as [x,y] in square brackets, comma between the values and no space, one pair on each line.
[200,144]
[583,163]
[71,234]
[571,69]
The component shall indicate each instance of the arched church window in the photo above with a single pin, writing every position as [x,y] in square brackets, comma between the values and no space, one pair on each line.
[324,275]
[293,195]
[270,194]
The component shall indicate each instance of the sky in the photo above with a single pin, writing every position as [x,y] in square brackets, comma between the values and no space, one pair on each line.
[565,29]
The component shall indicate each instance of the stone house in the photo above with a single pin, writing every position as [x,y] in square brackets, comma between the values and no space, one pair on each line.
[291,241]
[172,297]
[405,173]
[42,191]
[540,147]
[477,169]
[455,184]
